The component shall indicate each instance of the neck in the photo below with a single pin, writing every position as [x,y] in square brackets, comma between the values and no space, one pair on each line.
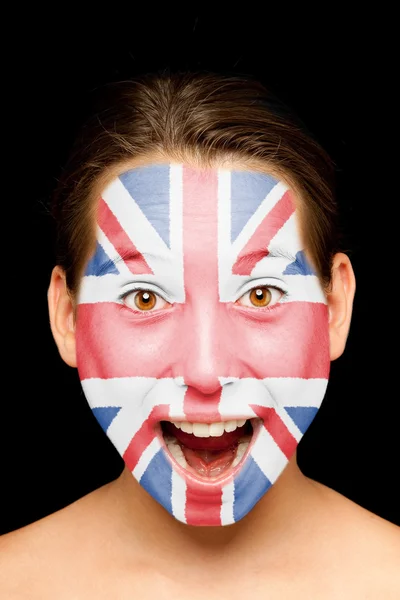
[275,519]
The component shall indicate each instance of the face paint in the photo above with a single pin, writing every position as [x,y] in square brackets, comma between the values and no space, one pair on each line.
[199,307]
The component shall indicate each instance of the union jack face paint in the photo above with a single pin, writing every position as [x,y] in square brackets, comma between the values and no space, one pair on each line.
[200,307]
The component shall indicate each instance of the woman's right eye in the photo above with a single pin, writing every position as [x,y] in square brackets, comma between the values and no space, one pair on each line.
[144,301]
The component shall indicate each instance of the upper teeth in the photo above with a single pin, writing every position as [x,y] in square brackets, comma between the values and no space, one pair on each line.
[209,429]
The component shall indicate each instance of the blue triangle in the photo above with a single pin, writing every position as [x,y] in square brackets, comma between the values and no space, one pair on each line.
[105,415]
[100,263]
[149,187]
[248,190]
[302,415]
[300,266]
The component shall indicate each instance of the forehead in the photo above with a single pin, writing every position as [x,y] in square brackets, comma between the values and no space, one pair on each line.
[166,210]
[156,188]
[180,227]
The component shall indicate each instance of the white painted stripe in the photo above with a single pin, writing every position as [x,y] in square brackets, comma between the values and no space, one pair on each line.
[272,392]
[137,396]
[268,456]
[178,497]
[264,208]
[176,397]
[176,220]
[106,288]
[290,424]
[228,498]
[237,395]
[111,252]
[299,288]
[117,391]
[165,265]
[146,458]
[275,393]
[294,391]
[288,238]
[132,219]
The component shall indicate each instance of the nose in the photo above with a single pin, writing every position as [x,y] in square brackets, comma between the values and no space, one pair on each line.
[206,353]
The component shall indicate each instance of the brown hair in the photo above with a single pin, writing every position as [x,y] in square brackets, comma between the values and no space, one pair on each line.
[207,117]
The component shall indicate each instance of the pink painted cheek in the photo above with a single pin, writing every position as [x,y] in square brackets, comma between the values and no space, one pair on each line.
[112,343]
[290,341]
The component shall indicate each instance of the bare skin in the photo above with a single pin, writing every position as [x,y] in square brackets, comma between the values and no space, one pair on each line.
[302,540]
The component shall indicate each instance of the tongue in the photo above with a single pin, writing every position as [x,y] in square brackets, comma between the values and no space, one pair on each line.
[209,463]
[210,456]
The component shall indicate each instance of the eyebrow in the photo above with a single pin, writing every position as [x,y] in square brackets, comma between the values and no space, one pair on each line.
[250,259]
[128,256]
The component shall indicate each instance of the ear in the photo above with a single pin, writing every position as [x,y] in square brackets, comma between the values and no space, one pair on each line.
[340,303]
[61,312]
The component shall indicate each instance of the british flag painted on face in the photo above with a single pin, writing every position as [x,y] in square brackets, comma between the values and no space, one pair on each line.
[199,240]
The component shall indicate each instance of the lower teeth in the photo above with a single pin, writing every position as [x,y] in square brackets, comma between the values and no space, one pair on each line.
[242,447]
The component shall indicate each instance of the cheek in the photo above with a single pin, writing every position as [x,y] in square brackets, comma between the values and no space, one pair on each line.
[293,341]
[111,344]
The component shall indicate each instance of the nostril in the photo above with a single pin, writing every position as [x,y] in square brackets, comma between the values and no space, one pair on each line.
[203,388]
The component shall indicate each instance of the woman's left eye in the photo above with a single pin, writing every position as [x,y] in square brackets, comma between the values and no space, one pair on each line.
[144,301]
[261,297]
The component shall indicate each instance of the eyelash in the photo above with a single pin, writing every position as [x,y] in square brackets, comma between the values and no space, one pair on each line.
[284,294]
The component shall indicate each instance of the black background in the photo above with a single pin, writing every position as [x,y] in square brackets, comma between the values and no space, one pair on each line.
[337,76]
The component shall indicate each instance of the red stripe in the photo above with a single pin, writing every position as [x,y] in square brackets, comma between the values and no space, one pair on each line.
[289,341]
[143,437]
[123,244]
[265,232]
[200,234]
[200,231]
[277,428]
[203,508]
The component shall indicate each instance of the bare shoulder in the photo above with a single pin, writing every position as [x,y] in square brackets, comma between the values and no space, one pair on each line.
[41,560]
[364,546]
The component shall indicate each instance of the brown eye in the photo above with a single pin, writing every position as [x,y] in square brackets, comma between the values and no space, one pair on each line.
[144,301]
[261,297]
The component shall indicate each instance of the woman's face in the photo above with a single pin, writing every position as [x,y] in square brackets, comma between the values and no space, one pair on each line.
[202,335]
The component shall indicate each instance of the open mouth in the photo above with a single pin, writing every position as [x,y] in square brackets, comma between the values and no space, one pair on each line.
[210,451]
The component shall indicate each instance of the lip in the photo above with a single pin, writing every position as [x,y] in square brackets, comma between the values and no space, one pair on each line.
[209,481]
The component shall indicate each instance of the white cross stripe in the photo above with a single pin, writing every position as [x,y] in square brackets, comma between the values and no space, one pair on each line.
[178,496]
[228,498]
[268,456]
[146,457]
[294,391]
[137,396]
[165,263]
[257,217]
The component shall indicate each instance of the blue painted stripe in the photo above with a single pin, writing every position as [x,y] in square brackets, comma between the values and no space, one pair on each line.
[248,190]
[300,266]
[157,480]
[100,263]
[149,187]
[250,485]
[106,415]
[302,416]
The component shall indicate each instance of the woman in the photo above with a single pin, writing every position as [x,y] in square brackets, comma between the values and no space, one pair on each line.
[201,294]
